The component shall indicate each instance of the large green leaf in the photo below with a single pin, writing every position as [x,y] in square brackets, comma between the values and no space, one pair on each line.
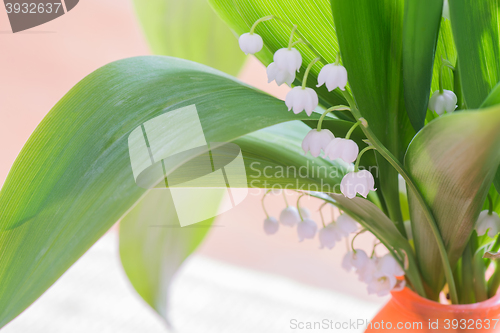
[370,36]
[313,19]
[153,245]
[476,34]
[189,29]
[420,36]
[452,161]
[73,179]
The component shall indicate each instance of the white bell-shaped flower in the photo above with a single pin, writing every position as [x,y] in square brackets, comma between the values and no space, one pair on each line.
[301,99]
[316,140]
[347,224]
[306,229]
[288,59]
[487,222]
[271,225]
[447,101]
[355,260]
[250,43]
[344,149]
[304,212]
[289,216]
[382,286]
[387,265]
[361,182]
[366,273]
[274,73]
[335,76]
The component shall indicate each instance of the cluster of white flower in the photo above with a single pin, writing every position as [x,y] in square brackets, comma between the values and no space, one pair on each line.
[380,274]
[288,61]
[307,228]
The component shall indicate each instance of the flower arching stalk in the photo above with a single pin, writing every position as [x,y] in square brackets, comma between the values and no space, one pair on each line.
[352,241]
[321,214]
[382,150]
[353,127]
[290,41]
[302,39]
[444,63]
[298,207]
[374,247]
[308,69]
[262,201]
[333,108]
[356,166]
[337,59]
[490,202]
[284,197]
[262,19]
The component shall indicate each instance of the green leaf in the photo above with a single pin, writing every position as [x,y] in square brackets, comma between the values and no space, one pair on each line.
[313,19]
[153,245]
[475,30]
[73,179]
[452,161]
[189,29]
[370,36]
[420,36]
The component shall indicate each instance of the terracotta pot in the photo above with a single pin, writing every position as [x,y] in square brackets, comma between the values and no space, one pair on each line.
[409,312]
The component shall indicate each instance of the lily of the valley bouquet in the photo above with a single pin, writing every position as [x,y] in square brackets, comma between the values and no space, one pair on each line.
[399,97]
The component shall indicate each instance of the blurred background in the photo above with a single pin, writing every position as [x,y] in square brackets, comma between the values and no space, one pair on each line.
[239,279]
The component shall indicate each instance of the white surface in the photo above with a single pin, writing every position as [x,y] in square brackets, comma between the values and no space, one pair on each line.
[207,296]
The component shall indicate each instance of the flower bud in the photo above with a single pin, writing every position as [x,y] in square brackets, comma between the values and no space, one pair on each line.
[306,229]
[250,43]
[344,149]
[289,216]
[271,225]
[316,140]
[335,76]
[301,99]
[447,101]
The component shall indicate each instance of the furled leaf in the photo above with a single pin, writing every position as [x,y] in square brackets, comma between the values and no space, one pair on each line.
[476,34]
[153,245]
[73,179]
[189,29]
[452,161]
[313,19]
[420,36]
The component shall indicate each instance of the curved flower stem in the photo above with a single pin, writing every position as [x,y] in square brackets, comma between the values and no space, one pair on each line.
[333,108]
[297,42]
[321,214]
[290,41]
[284,197]
[298,207]
[263,206]
[262,19]
[304,40]
[308,69]
[374,247]
[490,201]
[356,166]
[353,127]
[357,234]
[382,150]
[444,63]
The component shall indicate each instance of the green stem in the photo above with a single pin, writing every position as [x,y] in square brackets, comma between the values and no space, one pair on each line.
[479,271]
[263,206]
[353,127]
[306,74]
[297,42]
[494,282]
[262,19]
[284,197]
[382,150]
[321,214]
[290,41]
[444,63]
[356,166]
[298,207]
[467,281]
[490,201]
[333,108]
[352,241]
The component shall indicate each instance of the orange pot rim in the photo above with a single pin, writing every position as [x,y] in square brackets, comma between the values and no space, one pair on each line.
[408,297]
